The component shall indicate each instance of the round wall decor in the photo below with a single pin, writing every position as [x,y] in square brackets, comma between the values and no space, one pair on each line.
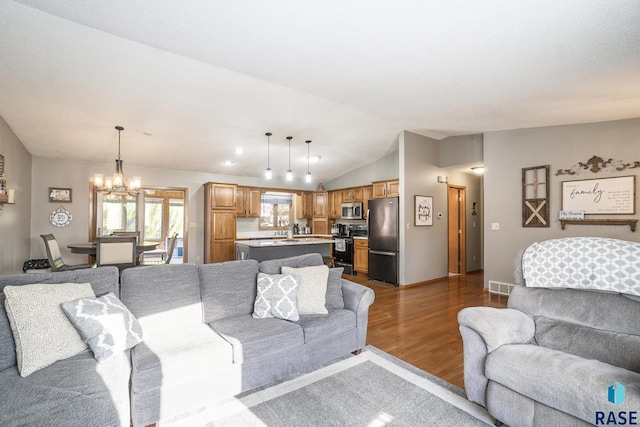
[60,217]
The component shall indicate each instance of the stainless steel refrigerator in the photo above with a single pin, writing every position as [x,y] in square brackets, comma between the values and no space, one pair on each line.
[383,240]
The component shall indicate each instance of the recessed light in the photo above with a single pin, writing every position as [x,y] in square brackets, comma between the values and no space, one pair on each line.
[227,163]
[314,159]
[239,150]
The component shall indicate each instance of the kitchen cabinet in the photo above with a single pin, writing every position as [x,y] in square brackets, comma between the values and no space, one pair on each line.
[304,205]
[384,189]
[320,226]
[320,204]
[361,256]
[352,195]
[367,194]
[220,219]
[335,204]
[222,196]
[248,202]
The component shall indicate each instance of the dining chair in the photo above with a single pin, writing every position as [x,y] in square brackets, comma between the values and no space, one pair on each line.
[55,258]
[128,233]
[167,259]
[118,251]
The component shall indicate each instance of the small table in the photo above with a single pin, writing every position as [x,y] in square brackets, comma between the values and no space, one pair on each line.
[90,248]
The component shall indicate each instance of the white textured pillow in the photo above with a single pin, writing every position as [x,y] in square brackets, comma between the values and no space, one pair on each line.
[312,289]
[276,297]
[41,331]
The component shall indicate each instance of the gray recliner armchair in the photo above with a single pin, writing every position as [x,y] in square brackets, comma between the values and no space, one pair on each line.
[566,351]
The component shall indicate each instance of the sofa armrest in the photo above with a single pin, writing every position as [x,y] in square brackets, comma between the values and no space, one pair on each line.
[498,326]
[484,329]
[358,298]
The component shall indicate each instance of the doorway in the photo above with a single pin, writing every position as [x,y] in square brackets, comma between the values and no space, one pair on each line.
[456,202]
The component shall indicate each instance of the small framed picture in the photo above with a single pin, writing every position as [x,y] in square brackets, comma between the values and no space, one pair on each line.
[59,195]
[424,210]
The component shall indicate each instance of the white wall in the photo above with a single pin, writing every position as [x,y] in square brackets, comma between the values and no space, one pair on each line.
[15,219]
[384,168]
[561,147]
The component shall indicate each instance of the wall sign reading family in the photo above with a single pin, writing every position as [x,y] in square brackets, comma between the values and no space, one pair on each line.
[600,196]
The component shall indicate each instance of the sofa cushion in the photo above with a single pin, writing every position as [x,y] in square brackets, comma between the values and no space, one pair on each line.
[228,289]
[277,297]
[74,392]
[105,324]
[102,279]
[274,266]
[255,338]
[334,298]
[163,296]
[321,326]
[41,331]
[312,289]
[173,357]
[560,380]
[609,333]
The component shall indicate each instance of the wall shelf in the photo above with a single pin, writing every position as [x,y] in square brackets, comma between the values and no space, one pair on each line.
[630,222]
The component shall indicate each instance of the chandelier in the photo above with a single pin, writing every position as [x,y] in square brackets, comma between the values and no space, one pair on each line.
[117,183]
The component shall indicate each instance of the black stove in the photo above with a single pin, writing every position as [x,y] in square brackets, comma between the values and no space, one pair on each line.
[343,246]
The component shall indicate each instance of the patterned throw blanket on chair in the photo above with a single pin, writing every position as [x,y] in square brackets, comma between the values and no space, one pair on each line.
[594,263]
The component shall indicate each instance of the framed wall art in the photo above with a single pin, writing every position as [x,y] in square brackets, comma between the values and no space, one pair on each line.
[424,210]
[59,195]
[601,196]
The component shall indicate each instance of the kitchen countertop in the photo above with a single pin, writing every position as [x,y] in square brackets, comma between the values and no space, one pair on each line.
[361,237]
[284,242]
[263,236]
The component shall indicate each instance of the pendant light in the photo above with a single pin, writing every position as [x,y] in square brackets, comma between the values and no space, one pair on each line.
[307,177]
[117,183]
[289,171]
[268,173]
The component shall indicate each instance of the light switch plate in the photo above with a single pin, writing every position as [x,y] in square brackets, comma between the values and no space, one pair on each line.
[495,226]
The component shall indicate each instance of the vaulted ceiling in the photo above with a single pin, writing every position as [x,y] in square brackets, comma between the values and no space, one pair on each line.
[191,81]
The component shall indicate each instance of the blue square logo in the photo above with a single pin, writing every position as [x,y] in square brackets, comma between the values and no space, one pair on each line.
[616,393]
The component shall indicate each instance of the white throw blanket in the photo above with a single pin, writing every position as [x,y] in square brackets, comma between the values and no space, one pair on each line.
[584,263]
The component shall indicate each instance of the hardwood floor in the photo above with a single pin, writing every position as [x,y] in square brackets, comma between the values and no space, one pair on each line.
[419,324]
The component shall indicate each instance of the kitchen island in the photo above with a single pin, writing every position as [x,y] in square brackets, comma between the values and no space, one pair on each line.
[265,249]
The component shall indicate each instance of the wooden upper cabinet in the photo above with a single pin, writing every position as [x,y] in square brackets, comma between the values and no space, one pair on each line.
[248,202]
[335,204]
[320,203]
[352,195]
[383,189]
[223,196]
[367,194]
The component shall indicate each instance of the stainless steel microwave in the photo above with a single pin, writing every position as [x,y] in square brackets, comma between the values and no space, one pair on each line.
[351,210]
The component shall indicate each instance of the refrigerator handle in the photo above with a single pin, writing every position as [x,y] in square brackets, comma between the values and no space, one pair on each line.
[383,253]
[368,210]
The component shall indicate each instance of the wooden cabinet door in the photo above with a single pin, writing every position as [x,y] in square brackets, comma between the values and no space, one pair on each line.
[356,194]
[223,225]
[367,194]
[320,226]
[223,251]
[379,190]
[320,203]
[223,196]
[241,197]
[335,204]
[393,188]
[308,205]
[254,198]
[361,255]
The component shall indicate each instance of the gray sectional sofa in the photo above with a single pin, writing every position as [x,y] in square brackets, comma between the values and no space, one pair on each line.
[77,391]
[201,344]
[568,340]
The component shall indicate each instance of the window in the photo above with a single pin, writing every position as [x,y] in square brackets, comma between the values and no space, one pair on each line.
[118,213]
[275,209]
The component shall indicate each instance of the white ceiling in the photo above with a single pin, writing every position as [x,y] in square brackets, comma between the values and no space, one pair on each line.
[203,77]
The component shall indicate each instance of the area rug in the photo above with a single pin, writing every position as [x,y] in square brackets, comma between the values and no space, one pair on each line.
[371,389]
